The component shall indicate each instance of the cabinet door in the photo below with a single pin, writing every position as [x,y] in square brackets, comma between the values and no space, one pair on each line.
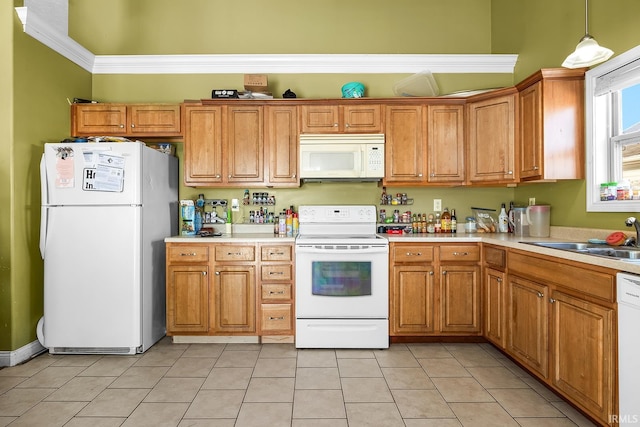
[245,144]
[202,145]
[412,300]
[582,352]
[187,298]
[527,337]
[281,140]
[235,299]
[493,298]
[362,118]
[98,119]
[154,119]
[492,140]
[445,143]
[319,119]
[531,132]
[404,145]
[459,298]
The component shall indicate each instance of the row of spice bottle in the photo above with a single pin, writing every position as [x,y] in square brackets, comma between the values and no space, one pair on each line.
[445,222]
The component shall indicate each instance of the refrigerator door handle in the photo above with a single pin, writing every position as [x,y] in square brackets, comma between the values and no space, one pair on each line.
[44,211]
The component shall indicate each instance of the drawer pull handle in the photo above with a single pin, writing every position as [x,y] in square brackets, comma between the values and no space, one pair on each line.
[234,253]
[276,272]
[414,253]
[460,253]
[540,294]
[276,318]
[188,254]
[276,292]
[275,253]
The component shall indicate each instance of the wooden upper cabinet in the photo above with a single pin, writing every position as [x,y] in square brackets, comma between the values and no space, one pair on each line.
[281,142]
[404,144]
[364,118]
[445,143]
[551,116]
[203,144]
[155,120]
[491,133]
[223,145]
[245,144]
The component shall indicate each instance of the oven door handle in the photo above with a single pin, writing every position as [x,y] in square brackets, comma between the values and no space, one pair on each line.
[349,250]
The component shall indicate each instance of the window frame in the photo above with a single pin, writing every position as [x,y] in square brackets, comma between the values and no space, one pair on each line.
[598,136]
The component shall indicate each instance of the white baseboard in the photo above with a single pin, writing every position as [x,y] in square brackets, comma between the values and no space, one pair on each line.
[24,353]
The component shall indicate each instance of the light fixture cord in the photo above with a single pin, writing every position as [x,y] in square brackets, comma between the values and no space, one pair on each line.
[586,17]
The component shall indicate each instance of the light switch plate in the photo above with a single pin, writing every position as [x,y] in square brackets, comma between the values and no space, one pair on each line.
[437,205]
[235,205]
[532,201]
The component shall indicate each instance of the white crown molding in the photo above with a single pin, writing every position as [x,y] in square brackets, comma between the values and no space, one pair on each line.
[300,64]
[38,28]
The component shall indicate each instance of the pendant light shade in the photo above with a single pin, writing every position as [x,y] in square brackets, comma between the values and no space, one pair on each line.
[588,52]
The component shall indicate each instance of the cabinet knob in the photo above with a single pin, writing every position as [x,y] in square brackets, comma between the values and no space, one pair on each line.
[540,294]
[552,300]
[294,175]
[132,125]
[431,273]
[121,126]
[510,173]
[229,176]
[420,175]
[335,125]
[217,273]
[499,280]
[204,273]
[444,272]
[432,174]
[218,176]
[346,125]
[535,168]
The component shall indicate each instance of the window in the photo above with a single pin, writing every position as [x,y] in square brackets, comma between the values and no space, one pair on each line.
[613,134]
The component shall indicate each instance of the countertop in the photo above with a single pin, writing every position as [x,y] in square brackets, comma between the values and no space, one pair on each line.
[565,234]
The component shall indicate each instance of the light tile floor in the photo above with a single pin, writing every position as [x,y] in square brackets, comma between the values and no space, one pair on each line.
[415,385]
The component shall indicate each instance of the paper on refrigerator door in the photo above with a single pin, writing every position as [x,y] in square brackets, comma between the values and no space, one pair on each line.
[109,175]
[64,168]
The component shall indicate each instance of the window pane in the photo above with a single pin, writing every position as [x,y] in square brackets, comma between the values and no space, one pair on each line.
[631,108]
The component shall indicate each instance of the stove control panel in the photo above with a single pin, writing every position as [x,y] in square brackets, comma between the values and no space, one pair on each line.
[337,214]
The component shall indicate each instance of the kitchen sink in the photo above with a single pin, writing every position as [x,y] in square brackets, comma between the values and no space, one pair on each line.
[626,253]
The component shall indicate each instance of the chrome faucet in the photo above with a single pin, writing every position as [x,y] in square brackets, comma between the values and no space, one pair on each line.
[631,221]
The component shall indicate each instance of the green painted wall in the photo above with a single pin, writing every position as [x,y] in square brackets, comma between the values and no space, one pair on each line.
[34,111]
[543,33]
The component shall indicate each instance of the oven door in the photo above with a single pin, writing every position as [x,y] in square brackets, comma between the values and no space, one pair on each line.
[342,281]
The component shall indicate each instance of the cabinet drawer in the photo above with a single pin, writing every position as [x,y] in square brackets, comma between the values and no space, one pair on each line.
[235,253]
[276,291]
[188,253]
[460,253]
[495,257]
[277,317]
[276,272]
[276,253]
[412,253]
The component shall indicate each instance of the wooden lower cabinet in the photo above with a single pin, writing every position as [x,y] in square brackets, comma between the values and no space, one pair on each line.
[234,299]
[561,325]
[187,298]
[528,322]
[434,289]
[230,289]
[412,300]
[493,305]
[582,350]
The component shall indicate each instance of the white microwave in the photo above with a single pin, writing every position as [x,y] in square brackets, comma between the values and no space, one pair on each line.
[341,157]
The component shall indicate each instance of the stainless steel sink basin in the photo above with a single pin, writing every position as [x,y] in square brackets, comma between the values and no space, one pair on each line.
[625,253]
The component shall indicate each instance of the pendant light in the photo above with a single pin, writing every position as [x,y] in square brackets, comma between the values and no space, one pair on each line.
[588,52]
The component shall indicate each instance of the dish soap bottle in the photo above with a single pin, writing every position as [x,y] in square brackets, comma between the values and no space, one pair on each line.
[503,220]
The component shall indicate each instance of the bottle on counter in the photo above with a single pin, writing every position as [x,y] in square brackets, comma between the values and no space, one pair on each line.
[431,224]
[510,218]
[296,224]
[503,220]
[445,221]
[454,221]
[437,224]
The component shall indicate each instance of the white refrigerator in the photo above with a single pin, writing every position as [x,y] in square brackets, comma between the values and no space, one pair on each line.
[106,210]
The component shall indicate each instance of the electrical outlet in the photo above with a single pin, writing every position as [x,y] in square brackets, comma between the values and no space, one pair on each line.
[235,205]
[437,205]
[532,201]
